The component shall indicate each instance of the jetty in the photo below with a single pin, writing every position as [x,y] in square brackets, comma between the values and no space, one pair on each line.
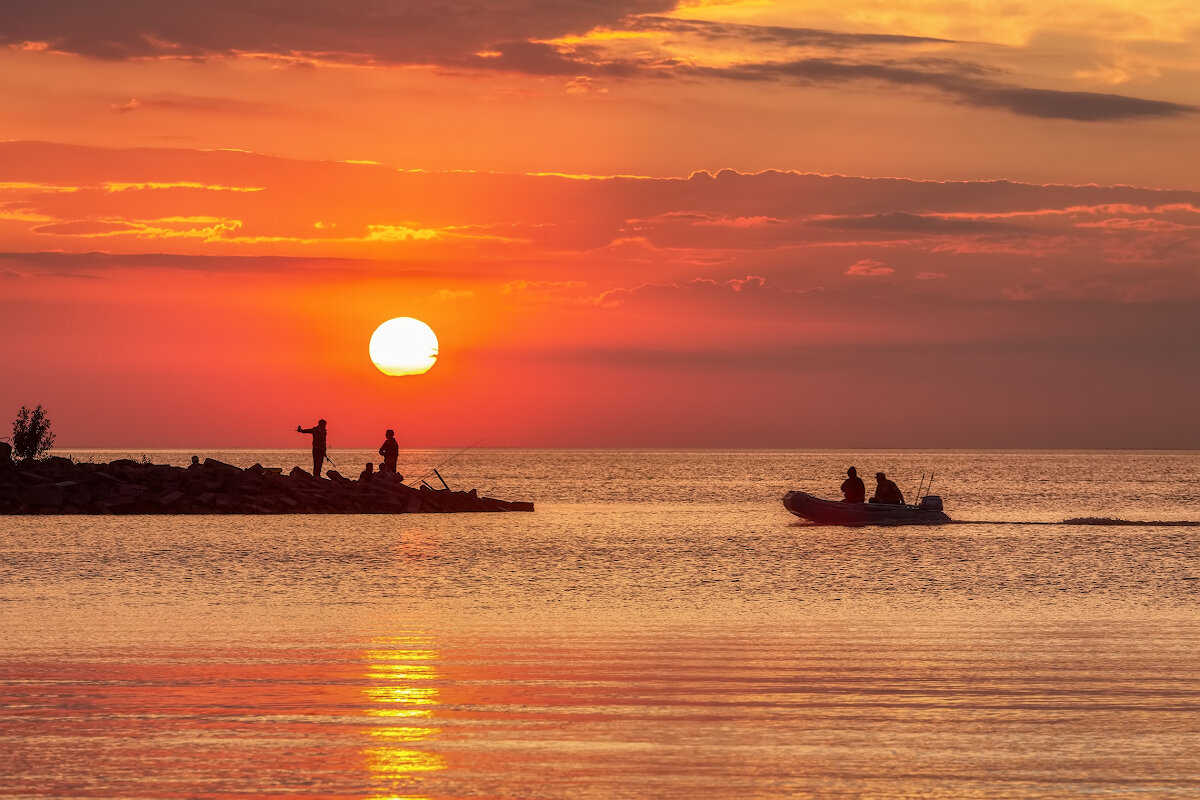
[59,485]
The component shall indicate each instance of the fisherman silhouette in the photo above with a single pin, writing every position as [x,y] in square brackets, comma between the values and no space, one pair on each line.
[367,473]
[886,491]
[318,444]
[390,450]
[853,489]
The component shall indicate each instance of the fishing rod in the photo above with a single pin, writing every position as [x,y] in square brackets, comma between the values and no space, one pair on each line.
[434,471]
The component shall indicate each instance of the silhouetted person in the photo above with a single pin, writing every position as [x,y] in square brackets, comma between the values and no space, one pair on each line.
[367,473]
[195,462]
[318,434]
[886,491]
[390,450]
[853,488]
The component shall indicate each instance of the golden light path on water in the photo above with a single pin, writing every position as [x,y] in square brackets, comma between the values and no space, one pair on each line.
[403,695]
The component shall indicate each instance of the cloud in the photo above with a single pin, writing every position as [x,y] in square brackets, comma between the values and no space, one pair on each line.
[963,82]
[792,230]
[515,287]
[906,222]
[869,267]
[61,263]
[359,31]
[771,34]
[706,296]
[195,104]
[529,37]
[1077,106]
[86,228]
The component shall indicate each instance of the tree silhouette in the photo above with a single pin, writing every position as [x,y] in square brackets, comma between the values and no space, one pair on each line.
[31,433]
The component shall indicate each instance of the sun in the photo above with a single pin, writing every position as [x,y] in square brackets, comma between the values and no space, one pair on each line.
[404,346]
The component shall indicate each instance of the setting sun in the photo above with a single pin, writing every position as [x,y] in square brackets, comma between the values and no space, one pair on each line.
[404,346]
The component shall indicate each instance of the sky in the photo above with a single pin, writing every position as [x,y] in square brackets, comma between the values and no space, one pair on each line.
[631,223]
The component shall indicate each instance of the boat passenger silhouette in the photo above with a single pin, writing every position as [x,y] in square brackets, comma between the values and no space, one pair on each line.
[367,473]
[390,450]
[853,489]
[318,444]
[886,491]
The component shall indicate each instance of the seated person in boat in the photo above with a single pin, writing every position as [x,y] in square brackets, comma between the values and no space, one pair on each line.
[368,473]
[886,491]
[853,489]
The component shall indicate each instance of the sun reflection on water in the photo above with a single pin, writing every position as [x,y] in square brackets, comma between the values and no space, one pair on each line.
[393,760]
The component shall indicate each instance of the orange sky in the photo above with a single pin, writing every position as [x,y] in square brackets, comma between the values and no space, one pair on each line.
[631,222]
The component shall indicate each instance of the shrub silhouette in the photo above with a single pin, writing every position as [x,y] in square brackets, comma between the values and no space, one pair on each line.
[31,433]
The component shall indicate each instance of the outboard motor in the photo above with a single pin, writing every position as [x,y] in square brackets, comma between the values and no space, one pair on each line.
[930,502]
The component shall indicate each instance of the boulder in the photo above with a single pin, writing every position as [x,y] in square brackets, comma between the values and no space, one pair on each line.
[167,499]
[77,494]
[46,495]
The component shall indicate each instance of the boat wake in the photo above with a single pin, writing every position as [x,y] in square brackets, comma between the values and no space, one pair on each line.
[1157,523]
[1104,521]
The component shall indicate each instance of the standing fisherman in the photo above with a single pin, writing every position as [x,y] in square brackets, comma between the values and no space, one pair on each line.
[390,450]
[318,434]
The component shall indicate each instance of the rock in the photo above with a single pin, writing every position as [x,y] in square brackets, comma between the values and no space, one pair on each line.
[130,490]
[44,496]
[119,505]
[77,494]
[59,486]
[167,499]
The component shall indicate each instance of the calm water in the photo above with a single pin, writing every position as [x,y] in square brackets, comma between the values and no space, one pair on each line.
[660,627]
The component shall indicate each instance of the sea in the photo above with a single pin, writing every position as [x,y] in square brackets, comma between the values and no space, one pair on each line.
[660,627]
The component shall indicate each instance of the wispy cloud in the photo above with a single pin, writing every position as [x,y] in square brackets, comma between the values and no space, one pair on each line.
[961,82]
[869,268]
[574,41]
[548,235]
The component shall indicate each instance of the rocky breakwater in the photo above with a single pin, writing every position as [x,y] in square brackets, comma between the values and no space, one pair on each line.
[62,486]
